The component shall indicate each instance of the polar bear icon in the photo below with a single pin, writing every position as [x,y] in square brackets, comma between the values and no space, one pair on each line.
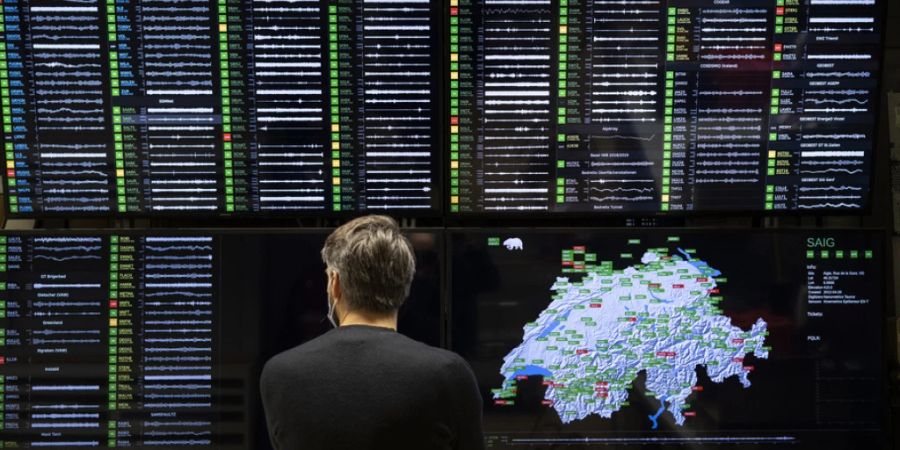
[513,244]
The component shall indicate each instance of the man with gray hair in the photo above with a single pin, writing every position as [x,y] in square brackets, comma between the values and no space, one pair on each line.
[362,385]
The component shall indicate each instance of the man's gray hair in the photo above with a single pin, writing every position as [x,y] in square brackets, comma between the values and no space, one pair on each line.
[375,262]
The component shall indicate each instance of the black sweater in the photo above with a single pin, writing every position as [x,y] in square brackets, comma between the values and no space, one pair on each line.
[361,387]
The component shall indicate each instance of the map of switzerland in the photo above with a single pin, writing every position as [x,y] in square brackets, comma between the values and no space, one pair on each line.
[660,316]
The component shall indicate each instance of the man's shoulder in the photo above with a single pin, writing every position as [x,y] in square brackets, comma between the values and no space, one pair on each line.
[396,351]
[440,361]
[286,363]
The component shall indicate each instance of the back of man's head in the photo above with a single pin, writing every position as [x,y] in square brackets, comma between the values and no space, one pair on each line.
[374,261]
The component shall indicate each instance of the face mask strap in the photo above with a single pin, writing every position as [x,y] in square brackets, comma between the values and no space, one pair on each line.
[330,314]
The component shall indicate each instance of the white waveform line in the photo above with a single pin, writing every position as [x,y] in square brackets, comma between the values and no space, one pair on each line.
[624,136]
[624,38]
[847,171]
[733,30]
[623,102]
[514,199]
[621,189]
[621,110]
[67,285]
[835,136]
[828,197]
[397,154]
[492,84]
[66,258]
[830,205]
[832,154]
[503,57]
[179,92]
[66,416]
[841,20]
[64,387]
[625,11]
[847,29]
[831,110]
[733,39]
[64,425]
[835,74]
[617,198]
[179,128]
[732,47]
[307,198]
[733,20]
[615,180]
[64,155]
[399,180]
[516,190]
[840,56]
[289,181]
[829,188]
[653,65]
[626,75]
[66,239]
[180,110]
[64,9]
[839,102]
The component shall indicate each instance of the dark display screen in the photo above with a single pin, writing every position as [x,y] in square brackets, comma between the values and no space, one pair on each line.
[157,340]
[156,107]
[672,338]
[574,106]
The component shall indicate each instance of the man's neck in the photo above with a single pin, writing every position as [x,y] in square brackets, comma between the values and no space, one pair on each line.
[372,320]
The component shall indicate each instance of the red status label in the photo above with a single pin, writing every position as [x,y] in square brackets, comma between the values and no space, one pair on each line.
[779,47]
[713,291]
[581,351]
[521,377]
[689,414]
[500,402]
[779,10]
[547,402]
[737,341]
[749,368]
[595,305]
[737,359]
[697,388]
[666,354]
[454,11]
[702,279]
[454,120]
[677,286]
[579,248]
[113,303]
[226,137]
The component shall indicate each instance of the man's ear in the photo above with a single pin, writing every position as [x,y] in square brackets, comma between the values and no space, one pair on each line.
[336,286]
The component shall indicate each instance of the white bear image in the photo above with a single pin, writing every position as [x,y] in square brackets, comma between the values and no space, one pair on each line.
[513,244]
